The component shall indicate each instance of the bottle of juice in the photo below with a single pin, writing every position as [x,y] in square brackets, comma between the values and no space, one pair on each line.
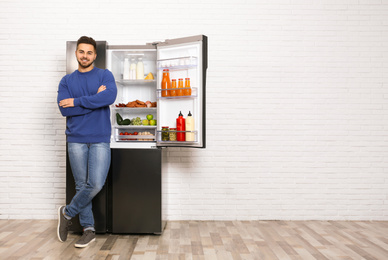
[187,90]
[190,127]
[180,126]
[180,88]
[166,83]
[173,88]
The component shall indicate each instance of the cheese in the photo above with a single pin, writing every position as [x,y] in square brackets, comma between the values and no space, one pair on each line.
[149,76]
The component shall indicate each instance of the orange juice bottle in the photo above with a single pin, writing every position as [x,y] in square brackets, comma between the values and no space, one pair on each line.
[173,88]
[187,91]
[180,87]
[166,83]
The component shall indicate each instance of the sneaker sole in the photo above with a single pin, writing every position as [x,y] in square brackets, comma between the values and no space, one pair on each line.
[59,221]
[84,245]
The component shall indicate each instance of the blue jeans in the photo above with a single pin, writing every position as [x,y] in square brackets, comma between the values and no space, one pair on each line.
[90,165]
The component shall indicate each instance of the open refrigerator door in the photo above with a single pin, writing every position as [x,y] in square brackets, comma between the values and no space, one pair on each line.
[181,107]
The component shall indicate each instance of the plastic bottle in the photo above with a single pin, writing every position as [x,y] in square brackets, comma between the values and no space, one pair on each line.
[190,137]
[180,87]
[166,83]
[187,90]
[180,126]
[132,71]
[126,69]
[140,69]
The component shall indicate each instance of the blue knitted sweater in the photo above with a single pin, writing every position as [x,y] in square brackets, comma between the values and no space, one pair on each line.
[89,120]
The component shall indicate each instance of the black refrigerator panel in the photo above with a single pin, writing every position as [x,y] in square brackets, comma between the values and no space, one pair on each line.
[99,203]
[137,191]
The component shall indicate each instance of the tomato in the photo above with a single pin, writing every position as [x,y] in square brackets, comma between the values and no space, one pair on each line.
[126,133]
[135,133]
[121,133]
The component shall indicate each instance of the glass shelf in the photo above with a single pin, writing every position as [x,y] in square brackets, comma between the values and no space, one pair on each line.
[135,138]
[135,109]
[135,126]
[136,82]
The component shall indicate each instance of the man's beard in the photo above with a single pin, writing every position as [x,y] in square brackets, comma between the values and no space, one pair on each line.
[85,66]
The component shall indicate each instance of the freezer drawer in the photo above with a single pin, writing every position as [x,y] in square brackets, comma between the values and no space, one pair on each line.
[137,191]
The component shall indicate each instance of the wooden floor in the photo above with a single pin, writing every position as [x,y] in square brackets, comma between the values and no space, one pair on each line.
[36,239]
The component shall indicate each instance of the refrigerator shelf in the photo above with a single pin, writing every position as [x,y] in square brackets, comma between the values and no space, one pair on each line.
[136,82]
[135,126]
[135,109]
[181,63]
[136,138]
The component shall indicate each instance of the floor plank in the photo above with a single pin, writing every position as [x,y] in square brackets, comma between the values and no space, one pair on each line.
[36,240]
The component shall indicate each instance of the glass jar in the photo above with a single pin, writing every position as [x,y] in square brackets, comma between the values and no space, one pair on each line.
[165,135]
[172,134]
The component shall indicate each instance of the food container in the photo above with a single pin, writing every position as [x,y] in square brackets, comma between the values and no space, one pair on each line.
[172,134]
[165,135]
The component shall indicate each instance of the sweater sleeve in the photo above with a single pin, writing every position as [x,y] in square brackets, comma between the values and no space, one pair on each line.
[102,99]
[63,93]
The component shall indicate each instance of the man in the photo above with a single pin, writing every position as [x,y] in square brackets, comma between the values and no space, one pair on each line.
[84,97]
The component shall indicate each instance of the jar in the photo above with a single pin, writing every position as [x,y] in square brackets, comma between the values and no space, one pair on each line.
[172,134]
[165,136]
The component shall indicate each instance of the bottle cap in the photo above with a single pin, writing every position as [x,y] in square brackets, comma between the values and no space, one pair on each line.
[189,114]
[180,79]
[180,113]
[173,79]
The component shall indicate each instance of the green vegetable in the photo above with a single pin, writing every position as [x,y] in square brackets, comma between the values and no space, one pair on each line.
[119,119]
[126,122]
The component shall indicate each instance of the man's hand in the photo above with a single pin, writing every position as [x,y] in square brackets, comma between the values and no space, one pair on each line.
[101,88]
[69,102]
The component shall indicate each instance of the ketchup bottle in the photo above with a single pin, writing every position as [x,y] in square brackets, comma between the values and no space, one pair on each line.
[180,126]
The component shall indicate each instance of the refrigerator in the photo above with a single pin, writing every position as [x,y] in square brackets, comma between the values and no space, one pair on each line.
[133,200]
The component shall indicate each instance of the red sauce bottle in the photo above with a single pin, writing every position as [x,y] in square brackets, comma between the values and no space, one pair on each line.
[180,126]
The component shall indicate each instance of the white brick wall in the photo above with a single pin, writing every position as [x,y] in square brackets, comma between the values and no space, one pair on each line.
[297,105]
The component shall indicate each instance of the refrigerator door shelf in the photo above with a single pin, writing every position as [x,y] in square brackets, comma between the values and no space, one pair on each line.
[159,138]
[159,93]
[180,63]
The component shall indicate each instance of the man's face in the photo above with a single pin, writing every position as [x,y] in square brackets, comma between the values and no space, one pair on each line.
[85,54]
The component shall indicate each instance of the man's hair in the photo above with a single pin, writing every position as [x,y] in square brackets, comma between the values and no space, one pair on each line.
[87,40]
